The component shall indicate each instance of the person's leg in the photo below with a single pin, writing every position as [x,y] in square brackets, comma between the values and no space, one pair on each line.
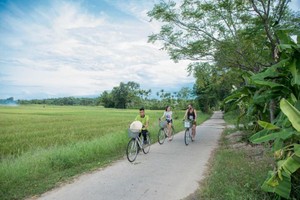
[194,131]
[169,131]
[144,132]
[169,126]
[138,146]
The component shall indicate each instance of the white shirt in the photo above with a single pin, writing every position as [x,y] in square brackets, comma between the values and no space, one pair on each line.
[168,115]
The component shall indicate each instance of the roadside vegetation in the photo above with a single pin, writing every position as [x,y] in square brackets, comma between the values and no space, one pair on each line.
[237,172]
[43,146]
[237,169]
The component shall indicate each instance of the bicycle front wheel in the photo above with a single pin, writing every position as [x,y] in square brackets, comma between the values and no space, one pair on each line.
[161,136]
[187,137]
[146,147]
[132,150]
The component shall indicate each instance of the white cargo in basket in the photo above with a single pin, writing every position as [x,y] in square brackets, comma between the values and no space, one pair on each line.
[187,124]
[136,126]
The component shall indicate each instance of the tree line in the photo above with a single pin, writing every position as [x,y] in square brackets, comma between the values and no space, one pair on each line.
[125,95]
[130,95]
[67,101]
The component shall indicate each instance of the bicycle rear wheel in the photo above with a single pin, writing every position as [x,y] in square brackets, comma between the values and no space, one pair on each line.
[146,147]
[161,136]
[132,150]
[187,137]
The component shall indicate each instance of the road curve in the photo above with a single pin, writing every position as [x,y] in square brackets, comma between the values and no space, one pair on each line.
[170,171]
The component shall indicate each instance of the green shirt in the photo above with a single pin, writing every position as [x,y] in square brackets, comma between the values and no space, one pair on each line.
[143,120]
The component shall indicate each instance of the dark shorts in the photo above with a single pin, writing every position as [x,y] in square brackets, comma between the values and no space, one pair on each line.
[169,121]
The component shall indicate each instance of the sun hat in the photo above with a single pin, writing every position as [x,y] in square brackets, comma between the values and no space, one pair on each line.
[136,126]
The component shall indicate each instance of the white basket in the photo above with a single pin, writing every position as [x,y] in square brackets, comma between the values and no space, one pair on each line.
[163,124]
[187,124]
[133,133]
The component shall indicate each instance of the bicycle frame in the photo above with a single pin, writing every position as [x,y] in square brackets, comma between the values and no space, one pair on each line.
[139,141]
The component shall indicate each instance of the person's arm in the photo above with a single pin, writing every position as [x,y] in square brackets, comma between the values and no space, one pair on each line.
[195,114]
[147,123]
[185,114]
[164,115]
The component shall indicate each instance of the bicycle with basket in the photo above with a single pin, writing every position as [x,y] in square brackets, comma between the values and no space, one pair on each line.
[188,124]
[136,143]
[163,132]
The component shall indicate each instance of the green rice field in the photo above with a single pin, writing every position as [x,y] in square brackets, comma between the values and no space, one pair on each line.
[42,146]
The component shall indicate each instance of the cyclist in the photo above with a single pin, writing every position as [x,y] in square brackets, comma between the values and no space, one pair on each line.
[191,114]
[168,115]
[145,121]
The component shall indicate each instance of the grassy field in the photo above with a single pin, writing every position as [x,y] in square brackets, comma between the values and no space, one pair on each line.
[41,146]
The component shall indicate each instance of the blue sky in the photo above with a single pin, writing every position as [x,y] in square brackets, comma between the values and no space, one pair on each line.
[54,48]
[59,48]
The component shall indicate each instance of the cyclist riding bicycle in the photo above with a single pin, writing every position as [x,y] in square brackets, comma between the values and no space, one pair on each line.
[191,115]
[168,115]
[145,121]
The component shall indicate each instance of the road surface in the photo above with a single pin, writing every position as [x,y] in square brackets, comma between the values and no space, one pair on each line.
[170,171]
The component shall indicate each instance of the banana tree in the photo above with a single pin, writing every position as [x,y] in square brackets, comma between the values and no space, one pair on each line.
[276,82]
[286,150]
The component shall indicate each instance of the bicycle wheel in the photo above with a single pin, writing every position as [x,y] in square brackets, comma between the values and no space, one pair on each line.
[161,136]
[187,137]
[132,150]
[146,147]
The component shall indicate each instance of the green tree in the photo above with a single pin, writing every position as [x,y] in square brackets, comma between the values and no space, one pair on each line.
[184,96]
[122,96]
[106,99]
[228,34]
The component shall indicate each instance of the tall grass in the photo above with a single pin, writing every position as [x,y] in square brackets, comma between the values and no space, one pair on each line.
[26,128]
[43,145]
[39,170]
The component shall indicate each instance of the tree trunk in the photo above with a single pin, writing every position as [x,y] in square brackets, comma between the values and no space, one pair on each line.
[272,107]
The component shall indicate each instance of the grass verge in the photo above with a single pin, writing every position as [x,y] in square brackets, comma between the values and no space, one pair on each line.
[235,174]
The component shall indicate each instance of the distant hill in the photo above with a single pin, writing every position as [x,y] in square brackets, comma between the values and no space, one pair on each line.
[8,101]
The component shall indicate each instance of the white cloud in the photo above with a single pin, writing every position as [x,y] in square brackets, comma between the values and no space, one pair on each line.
[66,51]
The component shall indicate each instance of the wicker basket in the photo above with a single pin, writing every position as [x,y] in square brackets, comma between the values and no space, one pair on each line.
[132,133]
[163,124]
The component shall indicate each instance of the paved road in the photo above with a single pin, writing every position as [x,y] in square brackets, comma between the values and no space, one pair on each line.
[170,171]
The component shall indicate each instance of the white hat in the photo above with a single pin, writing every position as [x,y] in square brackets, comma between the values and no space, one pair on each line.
[136,126]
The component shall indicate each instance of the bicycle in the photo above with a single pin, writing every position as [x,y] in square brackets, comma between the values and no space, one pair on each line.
[188,124]
[136,144]
[163,132]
